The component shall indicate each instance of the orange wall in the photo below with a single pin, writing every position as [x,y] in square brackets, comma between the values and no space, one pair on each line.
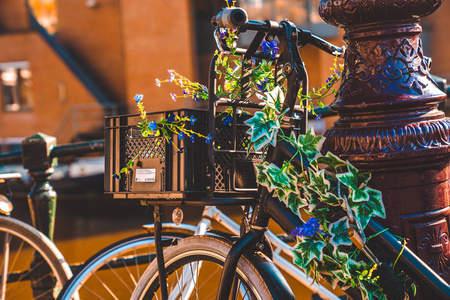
[93,37]
[47,71]
[157,35]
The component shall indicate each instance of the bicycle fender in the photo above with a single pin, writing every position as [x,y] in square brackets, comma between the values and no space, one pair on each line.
[277,284]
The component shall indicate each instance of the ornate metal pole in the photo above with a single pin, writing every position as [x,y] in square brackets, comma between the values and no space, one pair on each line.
[389,123]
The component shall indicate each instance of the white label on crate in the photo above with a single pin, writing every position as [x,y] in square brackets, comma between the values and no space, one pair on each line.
[145,175]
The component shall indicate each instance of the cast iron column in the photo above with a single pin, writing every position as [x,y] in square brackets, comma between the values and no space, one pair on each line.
[389,123]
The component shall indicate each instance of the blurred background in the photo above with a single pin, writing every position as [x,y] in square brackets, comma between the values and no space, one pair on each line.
[65,64]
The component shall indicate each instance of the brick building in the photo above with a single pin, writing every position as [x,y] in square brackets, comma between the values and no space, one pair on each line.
[64,63]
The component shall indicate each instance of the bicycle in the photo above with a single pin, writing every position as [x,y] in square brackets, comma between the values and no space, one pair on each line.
[32,266]
[133,254]
[244,265]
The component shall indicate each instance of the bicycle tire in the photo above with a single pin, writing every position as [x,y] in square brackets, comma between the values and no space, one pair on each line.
[113,272]
[25,267]
[212,252]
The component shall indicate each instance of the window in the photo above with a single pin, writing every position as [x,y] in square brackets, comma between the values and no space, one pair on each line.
[16,86]
[45,13]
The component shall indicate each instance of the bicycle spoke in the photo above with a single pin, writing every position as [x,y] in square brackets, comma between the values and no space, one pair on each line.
[119,277]
[91,291]
[105,286]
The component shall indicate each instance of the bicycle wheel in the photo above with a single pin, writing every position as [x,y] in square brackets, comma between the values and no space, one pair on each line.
[194,267]
[32,267]
[114,271]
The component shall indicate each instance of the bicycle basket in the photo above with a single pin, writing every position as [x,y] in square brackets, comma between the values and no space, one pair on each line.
[161,174]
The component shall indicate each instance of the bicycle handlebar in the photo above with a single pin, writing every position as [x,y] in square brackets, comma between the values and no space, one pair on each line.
[238,18]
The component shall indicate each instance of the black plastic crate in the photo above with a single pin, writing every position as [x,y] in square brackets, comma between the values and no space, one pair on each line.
[159,170]
[162,174]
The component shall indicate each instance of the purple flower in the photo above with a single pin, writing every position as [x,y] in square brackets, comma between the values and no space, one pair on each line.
[227,120]
[185,92]
[171,118]
[158,83]
[270,48]
[153,126]
[208,138]
[181,135]
[310,228]
[224,35]
[192,137]
[138,98]
[262,86]
[193,119]
[174,97]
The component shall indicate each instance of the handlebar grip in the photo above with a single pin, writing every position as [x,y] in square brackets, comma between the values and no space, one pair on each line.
[230,18]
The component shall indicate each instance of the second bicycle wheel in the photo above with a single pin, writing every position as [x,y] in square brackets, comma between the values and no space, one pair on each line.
[114,271]
[31,265]
[194,268]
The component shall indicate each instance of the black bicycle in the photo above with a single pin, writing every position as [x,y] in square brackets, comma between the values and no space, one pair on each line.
[216,265]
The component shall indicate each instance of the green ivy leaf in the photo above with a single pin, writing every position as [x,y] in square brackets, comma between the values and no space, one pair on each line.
[313,197]
[263,130]
[366,209]
[277,175]
[357,181]
[262,177]
[307,250]
[318,181]
[274,99]
[295,202]
[339,234]
[332,199]
[331,160]
[309,143]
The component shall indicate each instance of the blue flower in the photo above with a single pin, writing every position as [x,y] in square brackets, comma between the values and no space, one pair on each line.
[138,98]
[116,176]
[158,83]
[262,86]
[171,118]
[270,48]
[196,98]
[170,141]
[318,117]
[192,137]
[174,97]
[208,138]
[153,126]
[185,92]
[227,120]
[193,119]
[310,228]
[224,35]
[181,150]
[181,135]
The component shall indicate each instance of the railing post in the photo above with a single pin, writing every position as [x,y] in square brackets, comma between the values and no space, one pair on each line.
[42,198]
[42,201]
[389,122]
